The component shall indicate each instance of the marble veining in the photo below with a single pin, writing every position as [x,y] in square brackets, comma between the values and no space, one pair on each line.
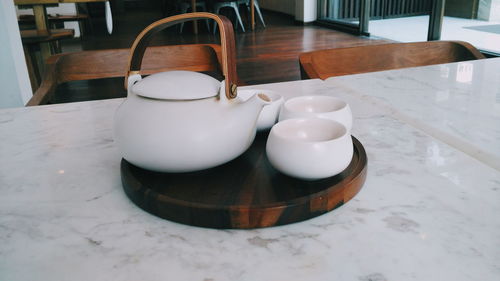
[458,103]
[428,211]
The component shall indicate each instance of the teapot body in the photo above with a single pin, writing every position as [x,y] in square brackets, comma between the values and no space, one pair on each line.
[184,136]
[184,121]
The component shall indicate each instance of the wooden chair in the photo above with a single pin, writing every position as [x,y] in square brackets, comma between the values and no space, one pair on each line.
[343,61]
[185,5]
[257,9]
[88,65]
[233,4]
[31,44]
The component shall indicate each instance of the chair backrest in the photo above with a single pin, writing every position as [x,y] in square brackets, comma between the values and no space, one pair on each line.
[343,61]
[88,65]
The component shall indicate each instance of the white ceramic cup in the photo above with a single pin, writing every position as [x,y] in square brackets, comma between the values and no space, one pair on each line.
[318,106]
[269,114]
[309,148]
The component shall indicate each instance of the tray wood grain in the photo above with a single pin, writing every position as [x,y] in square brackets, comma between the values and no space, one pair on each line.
[244,193]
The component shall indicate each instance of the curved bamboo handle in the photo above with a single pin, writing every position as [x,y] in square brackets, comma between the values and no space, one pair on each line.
[227,46]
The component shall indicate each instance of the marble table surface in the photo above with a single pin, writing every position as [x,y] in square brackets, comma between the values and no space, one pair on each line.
[428,210]
[458,103]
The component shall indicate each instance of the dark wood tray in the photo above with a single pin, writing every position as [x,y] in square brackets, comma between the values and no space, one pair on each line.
[244,193]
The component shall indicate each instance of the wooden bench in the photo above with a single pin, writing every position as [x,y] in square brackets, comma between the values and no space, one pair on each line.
[54,20]
[33,36]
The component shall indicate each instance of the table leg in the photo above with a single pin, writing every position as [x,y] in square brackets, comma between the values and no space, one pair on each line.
[252,14]
[41,25]
[195,23]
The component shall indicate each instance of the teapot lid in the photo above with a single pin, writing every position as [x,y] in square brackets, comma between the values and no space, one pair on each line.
[177,85]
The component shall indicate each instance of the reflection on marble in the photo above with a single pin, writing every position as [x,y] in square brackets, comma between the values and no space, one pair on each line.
[427,210]
[458,103]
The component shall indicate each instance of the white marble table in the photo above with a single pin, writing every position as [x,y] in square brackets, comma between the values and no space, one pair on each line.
[428,211]
[458,103]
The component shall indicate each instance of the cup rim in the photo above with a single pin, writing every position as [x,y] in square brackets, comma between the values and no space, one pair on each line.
[276,130]
[287,105]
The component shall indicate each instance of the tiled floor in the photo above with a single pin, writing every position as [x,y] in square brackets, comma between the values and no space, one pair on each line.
[411,29]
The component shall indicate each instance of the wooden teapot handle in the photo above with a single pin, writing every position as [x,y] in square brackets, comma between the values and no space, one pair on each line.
[226,37]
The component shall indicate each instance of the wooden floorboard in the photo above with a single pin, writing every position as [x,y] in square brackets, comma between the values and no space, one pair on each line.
[265,55]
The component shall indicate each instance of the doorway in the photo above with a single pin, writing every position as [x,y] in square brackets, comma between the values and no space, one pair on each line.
[473,21]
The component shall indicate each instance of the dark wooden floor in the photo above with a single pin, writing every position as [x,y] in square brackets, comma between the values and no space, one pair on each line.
[263,56]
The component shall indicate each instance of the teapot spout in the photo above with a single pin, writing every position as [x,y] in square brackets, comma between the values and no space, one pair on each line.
[260,99]
[254,105]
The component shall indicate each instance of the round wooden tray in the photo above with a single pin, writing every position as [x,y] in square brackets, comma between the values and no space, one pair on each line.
[244,193]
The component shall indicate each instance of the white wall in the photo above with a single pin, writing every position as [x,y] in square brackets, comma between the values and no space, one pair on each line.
[15,88]
[302,10]
[306,10]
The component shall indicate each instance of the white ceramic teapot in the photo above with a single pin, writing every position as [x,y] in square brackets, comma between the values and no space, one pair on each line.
[182,121]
